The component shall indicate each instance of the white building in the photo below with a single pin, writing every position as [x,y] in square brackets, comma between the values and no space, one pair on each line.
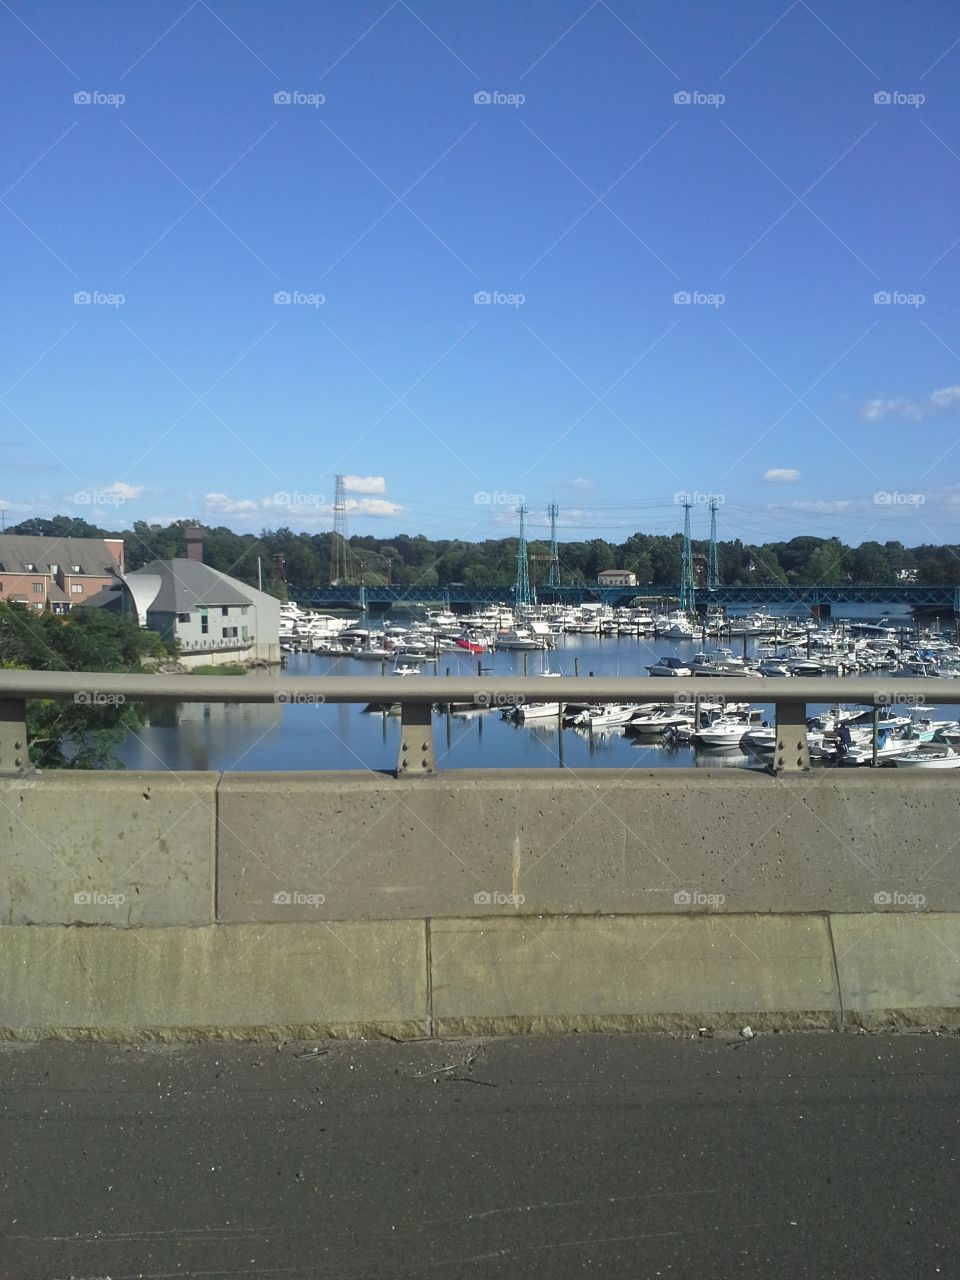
[616,578]
[215,619]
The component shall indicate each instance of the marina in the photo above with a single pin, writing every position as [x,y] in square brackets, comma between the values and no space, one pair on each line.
[707,732]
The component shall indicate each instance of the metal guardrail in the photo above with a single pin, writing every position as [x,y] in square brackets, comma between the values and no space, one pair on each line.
[417,694]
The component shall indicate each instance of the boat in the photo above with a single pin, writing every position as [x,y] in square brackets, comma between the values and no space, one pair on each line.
[675,626]
[520,638]
[727,731]
[669,666]
[528,711]
[609,715]
[929,755]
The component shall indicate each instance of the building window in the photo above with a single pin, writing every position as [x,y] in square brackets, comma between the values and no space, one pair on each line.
[75,568]
[229,633]
[30,568]
[38,586]
[224,610]
[76,588]
[204,624]
[183,617]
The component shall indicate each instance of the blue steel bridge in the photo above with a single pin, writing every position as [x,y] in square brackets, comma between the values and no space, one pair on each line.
[460,594]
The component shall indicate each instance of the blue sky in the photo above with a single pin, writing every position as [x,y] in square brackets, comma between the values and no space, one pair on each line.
[584,198]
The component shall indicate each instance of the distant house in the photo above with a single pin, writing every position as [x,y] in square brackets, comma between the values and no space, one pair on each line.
[57,573]
[906,575]
[213,618]
[616,578]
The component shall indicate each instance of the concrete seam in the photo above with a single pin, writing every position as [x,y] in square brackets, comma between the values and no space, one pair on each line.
[428,952]
[835,964]
[216,850]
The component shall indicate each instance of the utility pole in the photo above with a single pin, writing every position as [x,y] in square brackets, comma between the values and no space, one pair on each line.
[713,575]
[687,594]
[521,590]
[338,541]
[553,577]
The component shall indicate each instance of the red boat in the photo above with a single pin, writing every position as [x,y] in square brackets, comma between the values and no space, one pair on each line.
[471,646]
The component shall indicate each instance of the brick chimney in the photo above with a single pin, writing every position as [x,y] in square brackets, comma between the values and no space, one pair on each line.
[195,543]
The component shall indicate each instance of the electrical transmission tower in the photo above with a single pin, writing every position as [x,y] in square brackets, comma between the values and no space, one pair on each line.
[521,590]
[553,577]
[687,596]
[338,542]
[713,574]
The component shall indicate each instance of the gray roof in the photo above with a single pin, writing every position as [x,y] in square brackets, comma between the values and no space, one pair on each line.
[189,584]
[17,550]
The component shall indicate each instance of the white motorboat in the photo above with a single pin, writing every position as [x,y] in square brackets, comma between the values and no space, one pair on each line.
[609,715]
[675,626]
[669,666]
[929,755]
[652,722]
[529,711]
[727,731]
[520,638]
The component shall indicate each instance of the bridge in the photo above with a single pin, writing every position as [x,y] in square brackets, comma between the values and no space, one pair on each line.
[346,596]
[431,903]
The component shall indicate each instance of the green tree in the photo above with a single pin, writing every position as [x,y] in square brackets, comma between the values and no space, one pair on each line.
[80,733]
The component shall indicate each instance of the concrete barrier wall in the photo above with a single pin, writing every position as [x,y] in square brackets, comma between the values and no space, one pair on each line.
[194,848]
[475,903]
[349,846]
[408,978]
[108,848]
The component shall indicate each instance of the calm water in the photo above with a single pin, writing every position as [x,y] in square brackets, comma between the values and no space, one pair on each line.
[271,737]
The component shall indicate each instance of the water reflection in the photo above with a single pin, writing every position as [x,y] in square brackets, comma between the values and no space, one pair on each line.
[265,736]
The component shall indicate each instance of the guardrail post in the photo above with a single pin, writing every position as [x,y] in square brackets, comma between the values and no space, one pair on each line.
[13,736]
[416,740]
[793,753]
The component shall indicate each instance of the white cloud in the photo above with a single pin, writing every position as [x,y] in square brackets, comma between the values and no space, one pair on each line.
[226,506]
[365,484]
[582,482]
[371,507]
[307,508]
[124,490]
[902,407]
[782,475]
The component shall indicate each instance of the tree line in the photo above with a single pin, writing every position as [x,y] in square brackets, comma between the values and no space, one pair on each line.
[304,559]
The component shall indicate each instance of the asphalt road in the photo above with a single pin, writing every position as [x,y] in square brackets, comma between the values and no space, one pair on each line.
[804,1155]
